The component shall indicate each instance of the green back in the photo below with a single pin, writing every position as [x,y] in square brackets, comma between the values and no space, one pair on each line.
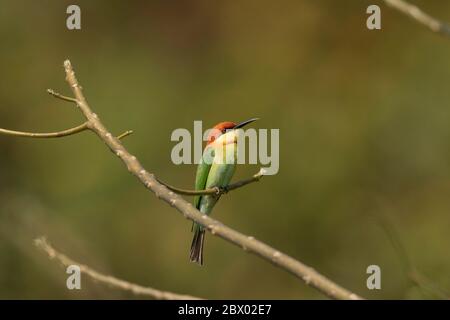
[202,174]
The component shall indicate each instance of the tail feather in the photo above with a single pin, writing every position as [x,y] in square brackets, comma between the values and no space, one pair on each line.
[196,254]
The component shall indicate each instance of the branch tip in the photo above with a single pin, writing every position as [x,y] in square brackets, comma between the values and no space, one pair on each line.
[60,96]
[67,64]
[125,134]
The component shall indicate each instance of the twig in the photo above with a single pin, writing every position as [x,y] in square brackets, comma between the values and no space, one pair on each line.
[60,96]
[125,134]
[247,243]
[215,190]
[42,244]
[419,16]
[58,134]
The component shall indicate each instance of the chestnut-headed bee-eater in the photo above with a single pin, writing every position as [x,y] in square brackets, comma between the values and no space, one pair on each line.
[215,169]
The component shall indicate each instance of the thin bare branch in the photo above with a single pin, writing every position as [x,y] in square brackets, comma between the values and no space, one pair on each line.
[420,16]
[215,190]
[125,134]
[58,134]
[247,243]
[60,96]
[42,244]
[238,184]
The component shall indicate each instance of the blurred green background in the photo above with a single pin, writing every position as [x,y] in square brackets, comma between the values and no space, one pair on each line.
[364,137]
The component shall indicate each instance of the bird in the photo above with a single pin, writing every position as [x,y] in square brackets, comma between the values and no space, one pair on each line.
[215,169]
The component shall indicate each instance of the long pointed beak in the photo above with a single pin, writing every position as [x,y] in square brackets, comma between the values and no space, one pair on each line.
[240,125]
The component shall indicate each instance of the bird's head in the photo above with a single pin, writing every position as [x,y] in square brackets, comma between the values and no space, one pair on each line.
[222,128]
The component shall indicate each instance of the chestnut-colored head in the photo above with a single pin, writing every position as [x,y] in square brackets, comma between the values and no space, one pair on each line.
[219,129]
[222,127]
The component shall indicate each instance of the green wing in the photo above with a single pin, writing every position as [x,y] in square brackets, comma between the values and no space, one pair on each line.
[202,173]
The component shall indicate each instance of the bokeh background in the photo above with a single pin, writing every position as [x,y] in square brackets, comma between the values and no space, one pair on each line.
[364,141]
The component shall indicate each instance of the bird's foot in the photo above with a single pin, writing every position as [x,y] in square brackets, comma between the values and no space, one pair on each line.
[220,190]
